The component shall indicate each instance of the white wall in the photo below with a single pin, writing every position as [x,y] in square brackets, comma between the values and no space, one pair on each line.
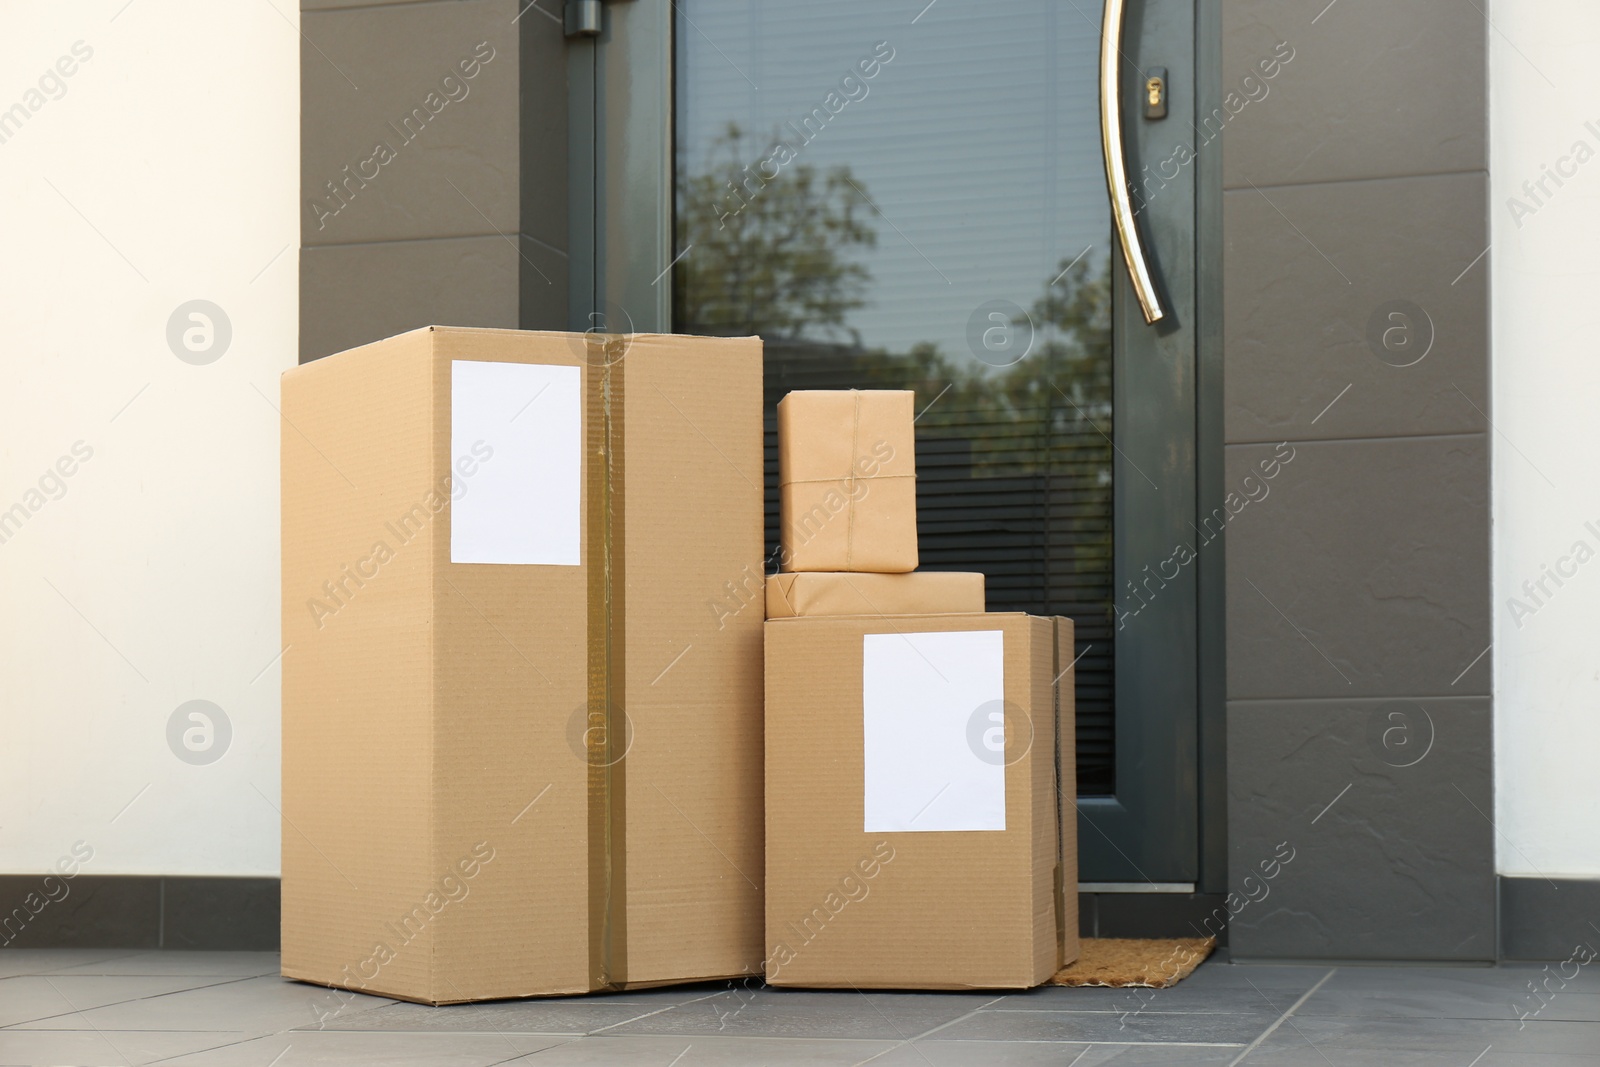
[1546,372]
[167,171]
[153,580]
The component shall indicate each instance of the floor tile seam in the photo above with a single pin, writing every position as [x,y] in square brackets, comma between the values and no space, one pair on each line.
[1307,995]
[911,1041]
[659,1011]
[574,1034]
[120,955]
[247,1037]
[114,1003]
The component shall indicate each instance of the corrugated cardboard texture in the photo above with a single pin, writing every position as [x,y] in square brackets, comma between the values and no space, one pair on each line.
[358,676]
[511,671]
[1066,676]
[960,910]
[446,728]
[847,493]
[693,666]
[844,593]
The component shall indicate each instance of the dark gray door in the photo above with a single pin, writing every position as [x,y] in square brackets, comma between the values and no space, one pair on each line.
[915,196]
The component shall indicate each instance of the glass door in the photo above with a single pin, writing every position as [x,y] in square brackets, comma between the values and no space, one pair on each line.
[914,196]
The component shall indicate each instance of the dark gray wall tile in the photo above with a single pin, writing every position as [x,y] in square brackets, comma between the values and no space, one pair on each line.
[1315,277]
[455,172]
[1386,807]
[1362,571]
[129,911]
[1375,89]
[1356,189]
[239,914]
[354,294]
[1545,919]
[88,911]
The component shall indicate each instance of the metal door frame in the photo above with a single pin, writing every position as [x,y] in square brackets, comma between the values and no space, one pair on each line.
[1165,830]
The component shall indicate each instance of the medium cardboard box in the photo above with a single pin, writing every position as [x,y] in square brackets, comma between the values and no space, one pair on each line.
[919,834]
[521,743]
[847,481]
[844,593]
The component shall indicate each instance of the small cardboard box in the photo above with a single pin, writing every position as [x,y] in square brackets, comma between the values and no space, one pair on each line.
[847,488]
[844,593]
[919,835]
[521,741]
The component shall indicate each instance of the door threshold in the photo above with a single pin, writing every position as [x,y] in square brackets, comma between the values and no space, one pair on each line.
[1136,887]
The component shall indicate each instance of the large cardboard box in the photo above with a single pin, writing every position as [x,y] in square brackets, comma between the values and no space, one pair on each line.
[847,481]
[521,728]
[844,593]
[920,785]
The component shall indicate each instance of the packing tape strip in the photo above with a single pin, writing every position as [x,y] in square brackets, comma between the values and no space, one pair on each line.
[847,478]
[605,748]
[1061,887]
[850,495]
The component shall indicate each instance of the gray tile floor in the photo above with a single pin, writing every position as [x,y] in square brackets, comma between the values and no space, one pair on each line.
[231,1008]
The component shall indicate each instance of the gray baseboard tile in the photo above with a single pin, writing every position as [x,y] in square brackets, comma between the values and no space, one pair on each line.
[241,914]
[1543,919]
[1539,921]
[138,912]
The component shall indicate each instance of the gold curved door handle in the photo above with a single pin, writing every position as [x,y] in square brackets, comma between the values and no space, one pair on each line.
[1122,216]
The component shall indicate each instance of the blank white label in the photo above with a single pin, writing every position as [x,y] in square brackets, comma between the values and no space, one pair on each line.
[516,458]
[934,731]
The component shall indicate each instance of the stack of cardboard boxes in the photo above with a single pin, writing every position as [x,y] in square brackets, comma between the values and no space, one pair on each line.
[523,714]
[919,774]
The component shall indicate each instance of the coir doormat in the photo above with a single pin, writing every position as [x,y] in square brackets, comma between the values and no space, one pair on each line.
[1152,964]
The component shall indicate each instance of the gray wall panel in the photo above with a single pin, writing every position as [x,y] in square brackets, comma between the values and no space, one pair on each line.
[1375,89]
[1356,180]
[1347,313]
[1361,570]
[461,218]
[355,294]
[1384,806]
[454,170]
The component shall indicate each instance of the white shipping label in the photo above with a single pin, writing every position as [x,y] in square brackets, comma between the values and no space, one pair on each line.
[516,457]
[934,731]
